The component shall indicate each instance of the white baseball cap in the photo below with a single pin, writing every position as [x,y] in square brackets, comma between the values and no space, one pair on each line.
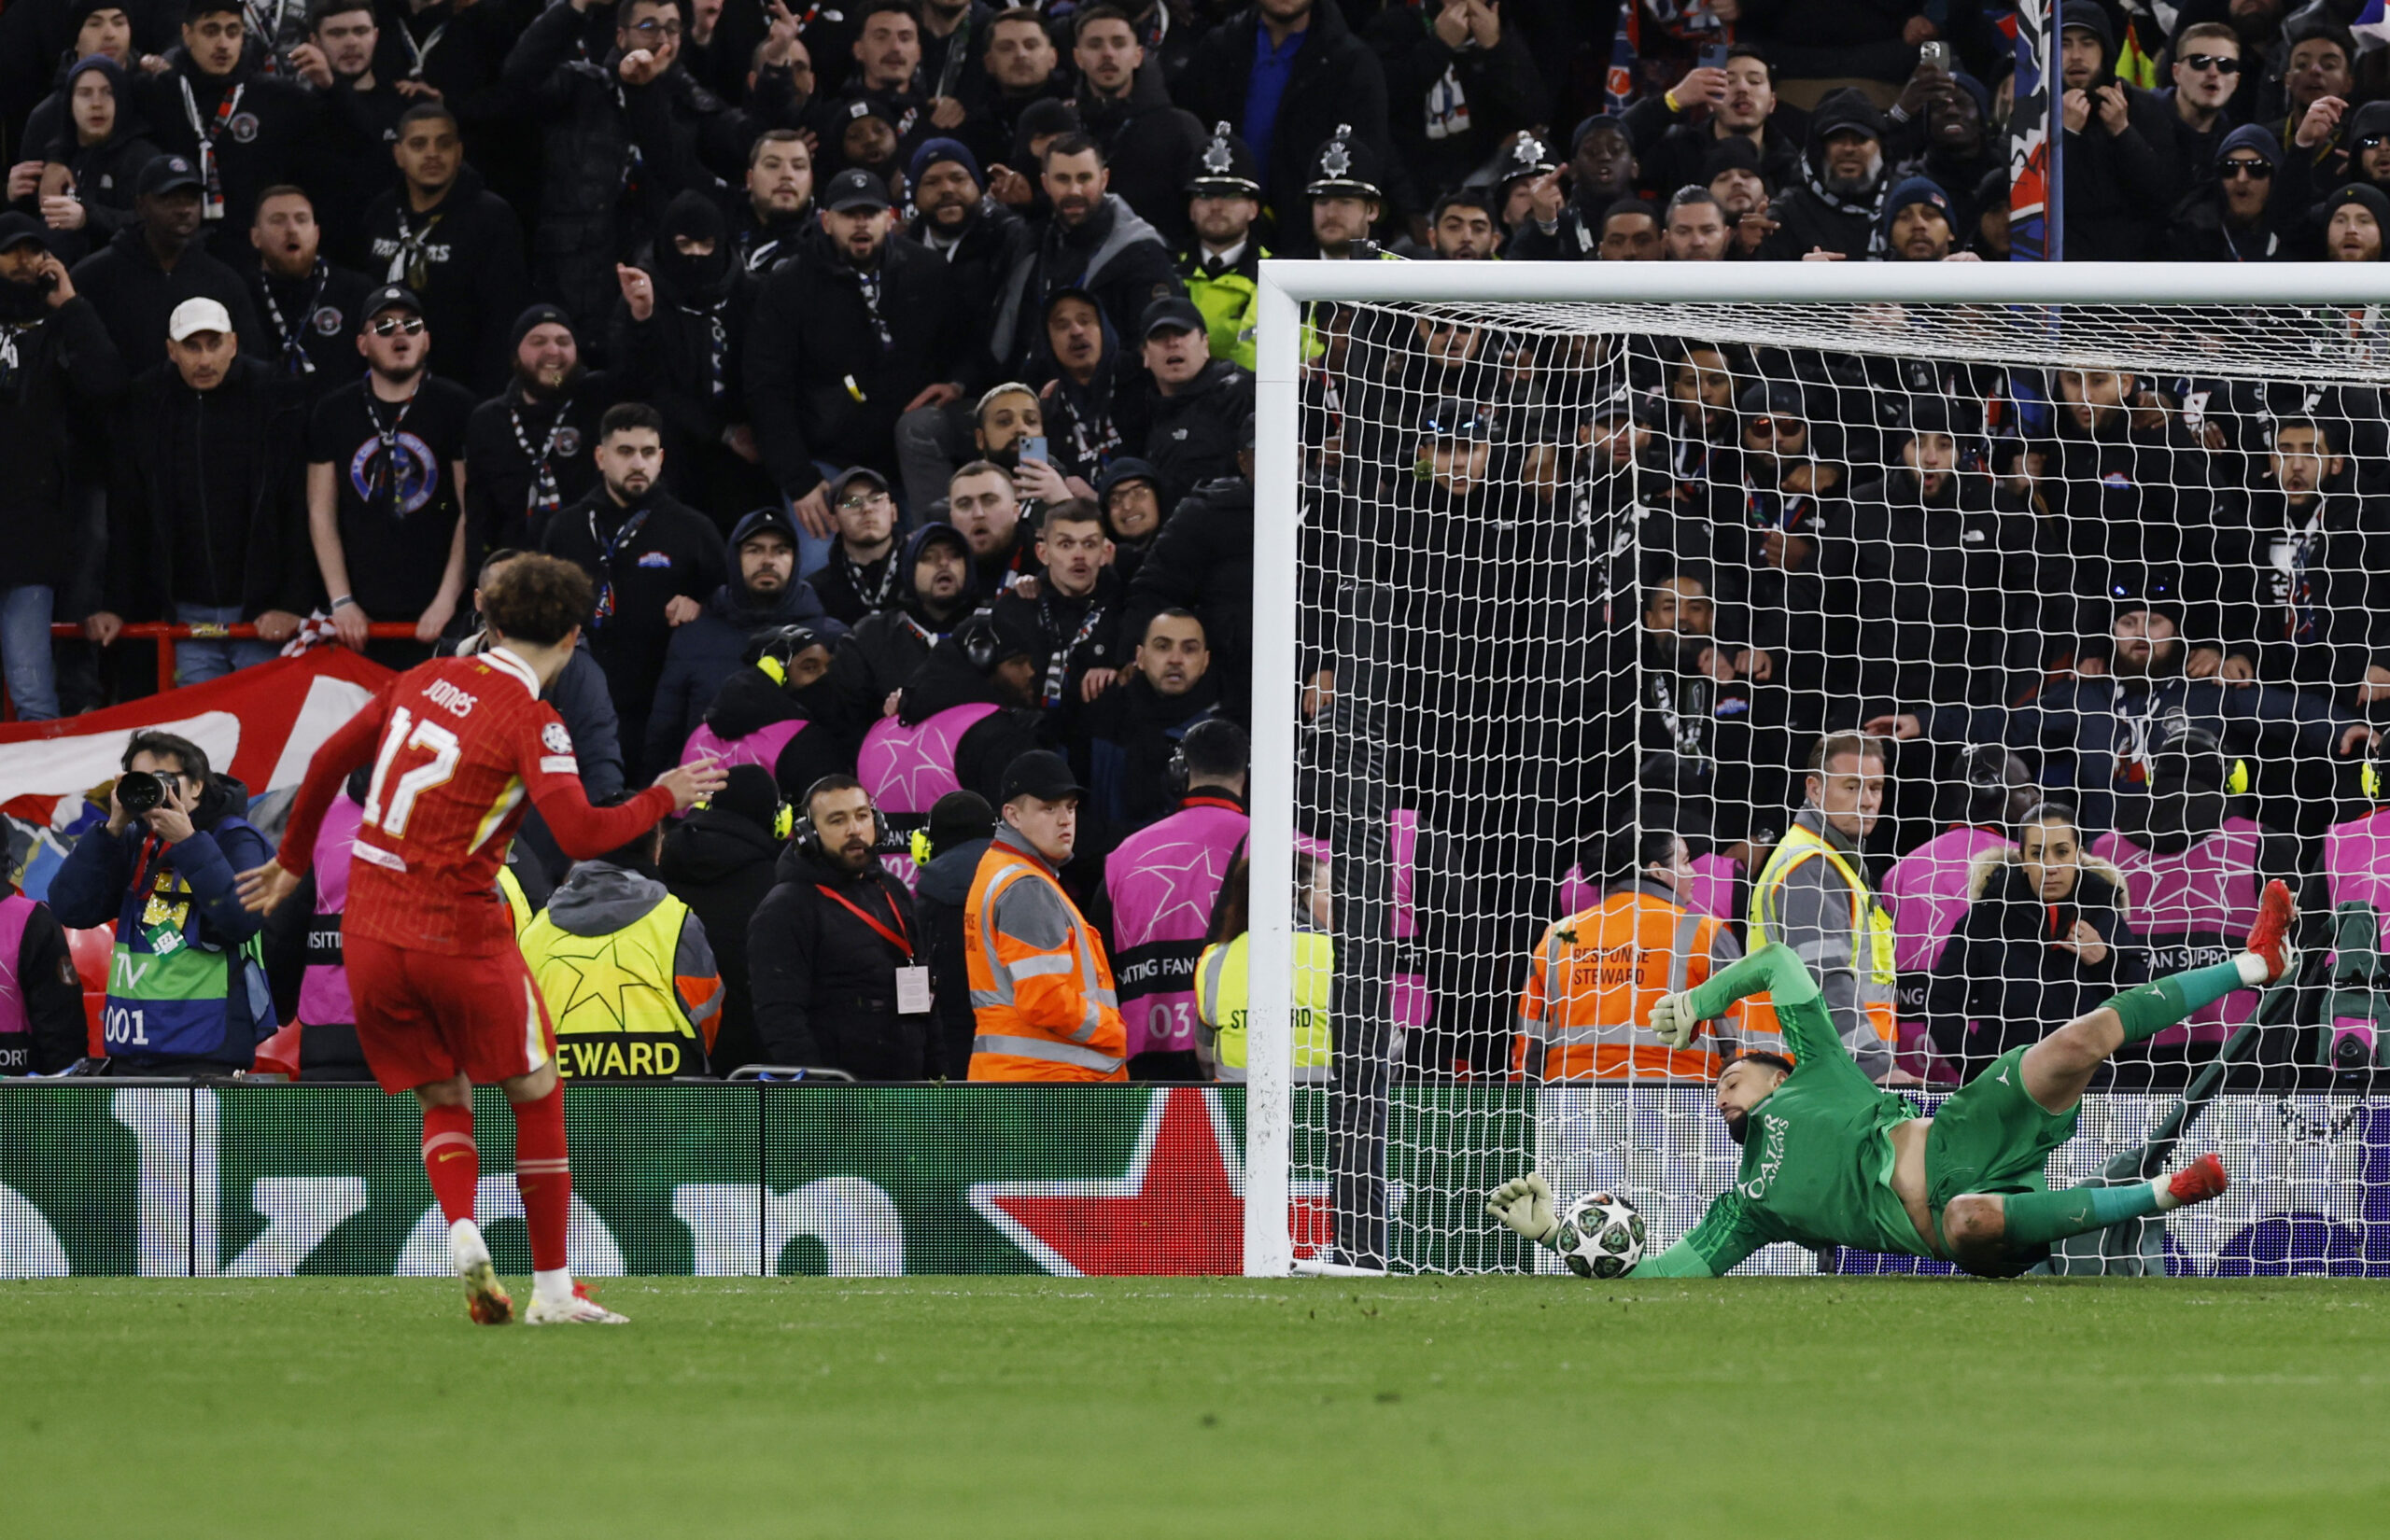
[197,316]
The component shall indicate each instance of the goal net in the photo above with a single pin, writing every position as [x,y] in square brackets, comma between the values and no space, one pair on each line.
[1565,581]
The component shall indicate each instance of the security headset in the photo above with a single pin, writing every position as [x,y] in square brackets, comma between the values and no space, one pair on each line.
[977,636]
[808,839]
[2369,778]
[1179,774]
[784,817]
[2229,774]
[773,649]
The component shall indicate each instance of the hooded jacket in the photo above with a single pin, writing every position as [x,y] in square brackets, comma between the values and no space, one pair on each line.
[688,358]
[2202,232]
[601,899]
[884,650]
[1193,435]
[705,651]
[824,380]
[134,295]
[1809,215]
[720,863]
[2002,972]
[2119,187]
[105,173]
[824,980]
[1088,424]
[95,888]
[158,486]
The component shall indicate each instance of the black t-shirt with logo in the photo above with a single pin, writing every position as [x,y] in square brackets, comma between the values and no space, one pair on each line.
[396,539]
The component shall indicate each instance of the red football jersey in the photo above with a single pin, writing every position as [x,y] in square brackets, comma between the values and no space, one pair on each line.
[456,745]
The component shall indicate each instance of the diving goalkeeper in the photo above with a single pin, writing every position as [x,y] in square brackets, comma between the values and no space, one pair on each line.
[1831,1160]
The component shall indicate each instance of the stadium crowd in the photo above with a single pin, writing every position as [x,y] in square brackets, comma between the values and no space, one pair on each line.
[888,369]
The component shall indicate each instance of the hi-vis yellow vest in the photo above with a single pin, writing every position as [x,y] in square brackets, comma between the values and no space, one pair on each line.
[1220,1001]
[1871,931]
[612,996]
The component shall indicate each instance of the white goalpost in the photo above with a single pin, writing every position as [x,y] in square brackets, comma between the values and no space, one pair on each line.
[1558,564]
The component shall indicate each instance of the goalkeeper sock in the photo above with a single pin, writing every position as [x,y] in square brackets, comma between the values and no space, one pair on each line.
[544,1176]
[2152,1008]
[1772,970]
[2036,1219]
[451,1159]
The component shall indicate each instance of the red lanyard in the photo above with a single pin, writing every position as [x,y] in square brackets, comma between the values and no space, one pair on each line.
[900,938]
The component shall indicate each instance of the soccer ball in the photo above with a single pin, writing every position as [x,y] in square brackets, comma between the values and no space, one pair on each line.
[1601,1235]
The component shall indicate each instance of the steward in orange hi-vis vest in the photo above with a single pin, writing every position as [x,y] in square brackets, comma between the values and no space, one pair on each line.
[1586,1010]
[1041,986]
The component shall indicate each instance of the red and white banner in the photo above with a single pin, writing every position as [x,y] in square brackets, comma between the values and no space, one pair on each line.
[259,725]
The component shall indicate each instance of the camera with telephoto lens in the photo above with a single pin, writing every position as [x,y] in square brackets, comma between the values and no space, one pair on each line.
[139,791]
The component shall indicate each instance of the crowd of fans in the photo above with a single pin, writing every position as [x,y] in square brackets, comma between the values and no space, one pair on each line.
[888,369]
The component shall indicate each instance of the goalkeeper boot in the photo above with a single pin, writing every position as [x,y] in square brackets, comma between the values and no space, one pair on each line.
[574,1309]
[485,1297]
[2198,1181]
[2269,938]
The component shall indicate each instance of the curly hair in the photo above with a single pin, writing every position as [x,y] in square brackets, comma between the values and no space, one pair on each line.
[537,600]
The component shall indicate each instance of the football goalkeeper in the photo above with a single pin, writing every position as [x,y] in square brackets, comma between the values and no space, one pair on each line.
[1831,1160]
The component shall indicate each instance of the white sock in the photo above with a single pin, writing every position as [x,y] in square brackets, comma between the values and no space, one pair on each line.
[552,1284]
[2167,1201]
[2253,968]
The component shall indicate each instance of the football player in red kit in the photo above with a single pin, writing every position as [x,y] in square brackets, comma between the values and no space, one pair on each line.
[443,999]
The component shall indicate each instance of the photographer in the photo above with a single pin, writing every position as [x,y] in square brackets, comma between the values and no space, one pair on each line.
[186,985]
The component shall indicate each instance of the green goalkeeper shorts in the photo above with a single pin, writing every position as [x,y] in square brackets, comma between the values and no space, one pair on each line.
[1991,1137]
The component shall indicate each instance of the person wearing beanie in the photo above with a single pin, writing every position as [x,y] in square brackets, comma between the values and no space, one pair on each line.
[720,862]
[2355,220]
[1940,129]
[2122,175]
[442,233]
[72,32]
[1916,223]
[1151,146]
[961,825]
[1831,205]
[956,219]
[1672,147]
[2306,172]
[528,448]
[2233,217]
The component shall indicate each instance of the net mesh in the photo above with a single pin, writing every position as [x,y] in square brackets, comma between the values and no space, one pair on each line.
[1584,586]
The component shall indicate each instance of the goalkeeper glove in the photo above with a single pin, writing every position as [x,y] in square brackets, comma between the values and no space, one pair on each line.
[1525,1204]
[1673,1021]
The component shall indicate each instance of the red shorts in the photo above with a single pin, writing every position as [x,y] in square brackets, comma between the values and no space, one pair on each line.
[423,1016]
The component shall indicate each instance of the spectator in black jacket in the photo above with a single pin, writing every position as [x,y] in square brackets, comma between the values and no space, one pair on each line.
[1076,611]
[1822,40]
[622,131]
[157,262]
[763,593]
[778,710]
[86,174]
[1284,74]
[528,450]
[835,953]
[1841,184]
[1134,727]
[1092,240]
[208,514]
[2122,173]
[2232,218]
[654,560]
[1197,413]
[680,343]
[720,861]
[309,306]
[454,242]
[1567,207]
[2044,941]
[1670,145]
[779,206]
[1151,146]
[238,124]
[961,826]
[857,330]
[1458,81]
[347,160]
[1132,512]
[2214,85]
[56,364]
[1202,562]
[936,586]
[861,577]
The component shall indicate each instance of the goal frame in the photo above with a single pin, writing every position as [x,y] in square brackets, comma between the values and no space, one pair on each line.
[1287,285]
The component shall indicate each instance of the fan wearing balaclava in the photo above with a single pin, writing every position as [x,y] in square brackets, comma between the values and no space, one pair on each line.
[679,336]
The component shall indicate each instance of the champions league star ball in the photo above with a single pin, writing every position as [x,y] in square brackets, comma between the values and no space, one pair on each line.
[1601,1235]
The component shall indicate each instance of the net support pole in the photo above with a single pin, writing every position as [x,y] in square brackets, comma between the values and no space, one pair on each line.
[1270,963]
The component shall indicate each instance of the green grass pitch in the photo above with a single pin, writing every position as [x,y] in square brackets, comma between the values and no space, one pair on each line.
[980,1409]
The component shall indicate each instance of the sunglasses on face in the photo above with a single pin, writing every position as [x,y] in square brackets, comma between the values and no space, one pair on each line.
[2201,63]
[391,326]
[2373,141]
[1769,428]
[2256,171]
[657,29]
[855,502]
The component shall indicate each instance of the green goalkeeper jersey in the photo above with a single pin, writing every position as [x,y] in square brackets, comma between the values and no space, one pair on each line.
[1817,1166]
